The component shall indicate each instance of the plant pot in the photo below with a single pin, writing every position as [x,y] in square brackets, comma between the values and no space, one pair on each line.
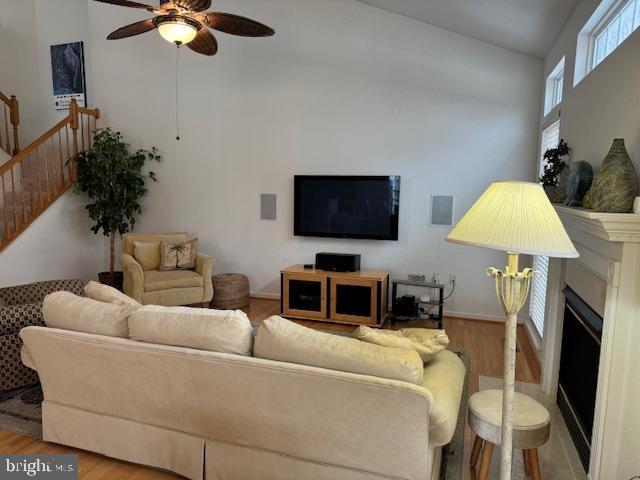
[114,280]
[552,193]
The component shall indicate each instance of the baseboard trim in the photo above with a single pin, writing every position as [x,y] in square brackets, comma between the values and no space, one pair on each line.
[447,313]
[478,316]
[265,296]
[534,339]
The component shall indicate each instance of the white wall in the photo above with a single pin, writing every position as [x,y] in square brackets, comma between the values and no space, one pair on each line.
[343,88]
[28,29]
[603,106]
[58,245]
[606,103]
[19,74]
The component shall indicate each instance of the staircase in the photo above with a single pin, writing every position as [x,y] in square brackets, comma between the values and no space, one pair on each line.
[36,176]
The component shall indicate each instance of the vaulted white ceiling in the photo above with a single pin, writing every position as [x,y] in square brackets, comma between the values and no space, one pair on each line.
[527,26]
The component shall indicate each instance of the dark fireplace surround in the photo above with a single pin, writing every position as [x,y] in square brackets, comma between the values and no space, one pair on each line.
[579,364]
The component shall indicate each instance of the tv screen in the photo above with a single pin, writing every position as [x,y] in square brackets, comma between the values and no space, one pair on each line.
[347,207]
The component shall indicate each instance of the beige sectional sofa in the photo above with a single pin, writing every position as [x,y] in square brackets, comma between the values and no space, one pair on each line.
[212,415]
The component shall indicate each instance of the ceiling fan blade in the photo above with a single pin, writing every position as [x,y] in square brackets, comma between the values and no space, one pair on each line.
[204,43]
[191,5]
[127,3]
[235,25]
[133,29]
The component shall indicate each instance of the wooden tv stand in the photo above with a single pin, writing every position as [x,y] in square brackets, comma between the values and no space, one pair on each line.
[358,298]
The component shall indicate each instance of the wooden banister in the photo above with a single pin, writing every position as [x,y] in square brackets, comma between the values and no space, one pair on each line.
[38,175]
[10,122]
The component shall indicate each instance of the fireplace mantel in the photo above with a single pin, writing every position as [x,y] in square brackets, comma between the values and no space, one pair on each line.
[612,227]
[609,273]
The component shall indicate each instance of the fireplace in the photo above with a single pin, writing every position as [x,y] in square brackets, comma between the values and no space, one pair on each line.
[578,376]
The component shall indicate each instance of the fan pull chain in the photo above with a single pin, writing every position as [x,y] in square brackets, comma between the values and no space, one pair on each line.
[177,93]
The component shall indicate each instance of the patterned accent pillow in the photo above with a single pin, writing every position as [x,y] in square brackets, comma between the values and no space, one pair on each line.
[178,255]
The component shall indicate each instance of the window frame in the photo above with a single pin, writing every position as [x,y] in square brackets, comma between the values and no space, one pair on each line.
[554,87]
[612,13]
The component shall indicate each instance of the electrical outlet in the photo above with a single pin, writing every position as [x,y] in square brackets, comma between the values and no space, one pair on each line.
[452,278]
[435,277]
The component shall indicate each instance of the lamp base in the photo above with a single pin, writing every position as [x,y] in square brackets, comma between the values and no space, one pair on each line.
[512,288]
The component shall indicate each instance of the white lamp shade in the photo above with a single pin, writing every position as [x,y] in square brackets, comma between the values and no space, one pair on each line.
[514,217]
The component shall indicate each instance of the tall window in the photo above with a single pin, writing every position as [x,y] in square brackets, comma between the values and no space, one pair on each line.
[553,87]
[537,304]
[623,19]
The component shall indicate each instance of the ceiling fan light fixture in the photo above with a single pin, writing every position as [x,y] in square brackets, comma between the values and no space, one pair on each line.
[177,28]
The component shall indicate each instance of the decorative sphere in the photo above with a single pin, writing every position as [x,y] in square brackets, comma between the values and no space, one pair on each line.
[579,182]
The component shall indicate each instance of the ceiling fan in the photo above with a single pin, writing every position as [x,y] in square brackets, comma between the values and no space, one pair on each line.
[183,22]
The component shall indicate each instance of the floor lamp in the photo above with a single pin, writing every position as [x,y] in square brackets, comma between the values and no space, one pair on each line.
[516,218]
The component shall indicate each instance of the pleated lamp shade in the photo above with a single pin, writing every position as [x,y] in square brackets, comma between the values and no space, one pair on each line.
[514,217]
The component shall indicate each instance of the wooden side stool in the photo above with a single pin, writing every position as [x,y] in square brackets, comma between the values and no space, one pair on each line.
[531,426]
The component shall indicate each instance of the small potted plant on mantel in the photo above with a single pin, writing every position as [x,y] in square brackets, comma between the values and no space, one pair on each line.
[554,167]
[115,182]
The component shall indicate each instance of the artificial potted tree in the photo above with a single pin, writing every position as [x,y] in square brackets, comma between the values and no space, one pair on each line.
[554,168]
[115,182]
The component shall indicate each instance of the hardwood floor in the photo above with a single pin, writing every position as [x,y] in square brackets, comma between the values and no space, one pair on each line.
[482,340]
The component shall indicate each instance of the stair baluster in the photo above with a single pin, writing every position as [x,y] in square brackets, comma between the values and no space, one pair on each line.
[27,190]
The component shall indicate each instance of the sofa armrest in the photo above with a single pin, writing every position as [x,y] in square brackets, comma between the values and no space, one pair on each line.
[133,277]
[444,377]
[27,359]
[15,317]
[204,267]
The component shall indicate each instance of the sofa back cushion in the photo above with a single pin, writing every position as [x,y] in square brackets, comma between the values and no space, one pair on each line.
[129,238]
[67,311]
[426,342]
[224,331]
[105,293]
[283,340]
[147,255]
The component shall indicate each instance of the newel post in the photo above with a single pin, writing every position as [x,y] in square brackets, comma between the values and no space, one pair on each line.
[74,121]
[15,121]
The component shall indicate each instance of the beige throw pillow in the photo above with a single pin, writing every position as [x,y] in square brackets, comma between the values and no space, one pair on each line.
[286,341]
[427,343]
[147,255]
[105,293]
[225,331]
[178,255]
[67,311]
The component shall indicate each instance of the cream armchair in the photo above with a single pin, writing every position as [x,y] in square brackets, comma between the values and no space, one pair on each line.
[154,287]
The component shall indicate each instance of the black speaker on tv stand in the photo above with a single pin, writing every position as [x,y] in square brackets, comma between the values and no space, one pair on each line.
[338,262]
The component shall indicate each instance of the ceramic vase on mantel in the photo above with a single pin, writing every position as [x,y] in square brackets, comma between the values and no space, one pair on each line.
[615,186]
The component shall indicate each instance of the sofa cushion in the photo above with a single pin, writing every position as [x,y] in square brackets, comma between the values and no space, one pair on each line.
[69,312]
[147,255]
[283,340]
[427,343]
[155,280]
[104,293]
[225,331]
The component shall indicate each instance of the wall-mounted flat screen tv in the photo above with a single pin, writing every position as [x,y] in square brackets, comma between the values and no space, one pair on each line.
[365,207]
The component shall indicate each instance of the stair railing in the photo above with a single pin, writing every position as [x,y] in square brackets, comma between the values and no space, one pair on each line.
[40,173]
[9,140]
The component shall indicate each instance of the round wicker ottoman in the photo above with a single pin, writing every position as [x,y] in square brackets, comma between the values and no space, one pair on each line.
[230,291]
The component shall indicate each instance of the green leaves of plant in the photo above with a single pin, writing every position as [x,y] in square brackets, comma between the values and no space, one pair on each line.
[114,180]
[554,165]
